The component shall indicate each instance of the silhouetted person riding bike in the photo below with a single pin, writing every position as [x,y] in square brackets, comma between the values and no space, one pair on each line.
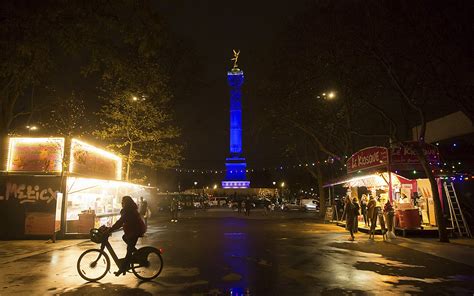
[93,264]
[133,228]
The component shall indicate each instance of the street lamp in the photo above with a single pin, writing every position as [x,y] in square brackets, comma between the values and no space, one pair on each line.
[142,98]
[274,183]
[327,96]
[32,127]
[282,184]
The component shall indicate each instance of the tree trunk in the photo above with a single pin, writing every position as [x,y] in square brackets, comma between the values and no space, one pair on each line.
[3,150]
[322,194]
[129,162]
[442,231]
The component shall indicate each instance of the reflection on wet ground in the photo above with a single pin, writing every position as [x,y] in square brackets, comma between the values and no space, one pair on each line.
[238,256]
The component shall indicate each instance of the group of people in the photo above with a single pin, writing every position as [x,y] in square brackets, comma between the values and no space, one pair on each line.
[245,204]
[370,208]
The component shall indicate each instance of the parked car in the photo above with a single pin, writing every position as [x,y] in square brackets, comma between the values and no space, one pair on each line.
[292,206]
[197,205]
[310,204]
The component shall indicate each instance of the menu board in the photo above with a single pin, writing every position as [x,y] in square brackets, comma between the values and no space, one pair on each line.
[329,214]
[90,161]
[35,155]
[57,216]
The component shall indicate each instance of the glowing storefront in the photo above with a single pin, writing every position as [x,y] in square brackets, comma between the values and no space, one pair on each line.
[375,170]
[55,185]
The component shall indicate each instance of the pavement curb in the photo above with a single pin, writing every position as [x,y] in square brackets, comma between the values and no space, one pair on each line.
[456,252]
[51,247]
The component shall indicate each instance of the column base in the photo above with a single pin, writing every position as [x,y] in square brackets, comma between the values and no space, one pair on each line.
[235,184]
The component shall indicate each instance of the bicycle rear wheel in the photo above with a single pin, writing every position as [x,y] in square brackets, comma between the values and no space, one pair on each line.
[147,263]
[93,265]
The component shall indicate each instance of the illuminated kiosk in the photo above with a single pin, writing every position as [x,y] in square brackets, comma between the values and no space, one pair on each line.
[60,185]
[235,164]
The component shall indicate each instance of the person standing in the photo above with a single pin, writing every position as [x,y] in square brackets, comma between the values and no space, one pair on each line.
[363,208]
[356,214]
[347,199]
[248,206]
[349,211]
[174,210]
[372,215]
[266,205]
[143,210]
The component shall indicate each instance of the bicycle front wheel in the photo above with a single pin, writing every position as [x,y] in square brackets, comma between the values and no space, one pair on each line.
[147,263]
[93,265]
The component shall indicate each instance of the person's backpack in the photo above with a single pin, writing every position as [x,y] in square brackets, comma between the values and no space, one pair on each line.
[142,225]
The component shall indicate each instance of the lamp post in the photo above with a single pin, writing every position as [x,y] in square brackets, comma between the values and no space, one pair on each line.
[282,186]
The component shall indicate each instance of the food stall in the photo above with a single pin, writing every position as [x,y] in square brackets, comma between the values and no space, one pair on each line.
[94,202]
[58,185]
[375,171]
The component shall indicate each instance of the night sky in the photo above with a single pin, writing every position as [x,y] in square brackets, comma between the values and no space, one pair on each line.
[291,52]
[214,28]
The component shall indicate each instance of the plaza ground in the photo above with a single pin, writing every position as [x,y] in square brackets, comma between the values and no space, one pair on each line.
[220,252]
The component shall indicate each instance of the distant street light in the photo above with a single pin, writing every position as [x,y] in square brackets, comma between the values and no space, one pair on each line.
[274,183]
[32,127]
[215,186]
[282,184]
[135,98]
[327,96]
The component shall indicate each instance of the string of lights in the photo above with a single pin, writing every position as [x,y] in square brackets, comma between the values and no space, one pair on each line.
[444,169]
[251,170]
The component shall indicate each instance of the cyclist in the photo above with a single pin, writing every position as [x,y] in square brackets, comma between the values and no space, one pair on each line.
[133,228]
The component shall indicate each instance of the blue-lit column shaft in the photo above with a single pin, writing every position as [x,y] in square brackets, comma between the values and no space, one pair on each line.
[235,80]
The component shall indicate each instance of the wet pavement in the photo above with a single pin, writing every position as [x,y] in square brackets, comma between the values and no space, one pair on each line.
[222,253]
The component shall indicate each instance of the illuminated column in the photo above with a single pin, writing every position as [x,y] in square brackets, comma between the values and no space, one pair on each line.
[235,164]
[235,80]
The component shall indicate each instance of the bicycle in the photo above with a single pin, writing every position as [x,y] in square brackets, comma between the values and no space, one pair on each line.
[93,264]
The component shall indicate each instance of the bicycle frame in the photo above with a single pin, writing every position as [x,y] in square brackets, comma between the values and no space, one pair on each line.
[118,261]
[106,245]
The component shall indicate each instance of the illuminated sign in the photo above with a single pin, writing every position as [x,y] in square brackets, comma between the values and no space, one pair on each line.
[405,154]
[91,161]
[35,155]
[370,157]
